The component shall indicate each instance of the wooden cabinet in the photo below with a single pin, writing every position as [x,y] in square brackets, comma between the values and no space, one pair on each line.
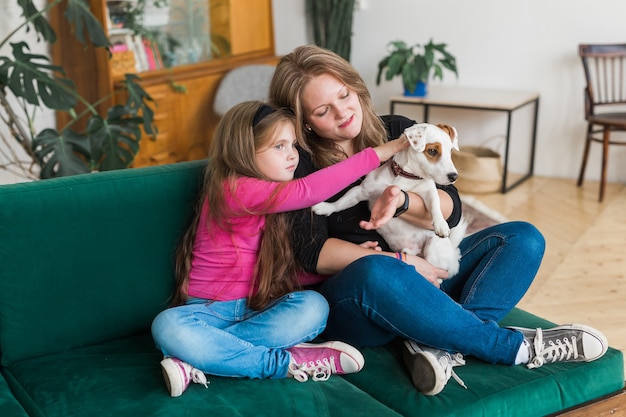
[183,94]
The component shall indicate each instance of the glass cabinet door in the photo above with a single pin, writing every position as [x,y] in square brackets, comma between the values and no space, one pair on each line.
[167,33]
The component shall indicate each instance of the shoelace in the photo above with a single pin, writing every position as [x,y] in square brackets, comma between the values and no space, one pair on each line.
[199,377]
[319,370]
[449,361]
[562,349]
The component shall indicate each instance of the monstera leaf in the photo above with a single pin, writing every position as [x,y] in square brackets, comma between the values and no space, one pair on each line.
[39,22]
[114,140]
[137,101]
[61,154]
[81,18]
[30,76]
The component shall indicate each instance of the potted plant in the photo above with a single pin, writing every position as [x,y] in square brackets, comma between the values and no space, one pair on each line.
[29,82]
[416,64]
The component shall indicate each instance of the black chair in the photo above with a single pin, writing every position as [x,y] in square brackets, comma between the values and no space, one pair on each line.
[605,73]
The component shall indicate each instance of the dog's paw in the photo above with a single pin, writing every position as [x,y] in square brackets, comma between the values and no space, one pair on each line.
[323,209]
[442,229]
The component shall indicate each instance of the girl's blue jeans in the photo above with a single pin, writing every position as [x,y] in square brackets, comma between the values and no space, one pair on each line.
[378,298]
[227,338]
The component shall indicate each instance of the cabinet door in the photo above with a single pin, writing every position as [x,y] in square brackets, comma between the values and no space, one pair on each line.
[185,119]
[161,149]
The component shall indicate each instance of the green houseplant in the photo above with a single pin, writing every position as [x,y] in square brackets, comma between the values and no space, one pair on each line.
[416,64]
[331,23]
[28,83]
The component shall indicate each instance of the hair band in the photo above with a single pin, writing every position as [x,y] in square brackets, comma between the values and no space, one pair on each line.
[261,113]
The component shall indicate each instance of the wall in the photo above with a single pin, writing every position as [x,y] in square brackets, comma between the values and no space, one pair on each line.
[10,13]
[523,45]
[526,45]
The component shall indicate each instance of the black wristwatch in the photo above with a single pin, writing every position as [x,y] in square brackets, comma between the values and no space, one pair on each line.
[404,207]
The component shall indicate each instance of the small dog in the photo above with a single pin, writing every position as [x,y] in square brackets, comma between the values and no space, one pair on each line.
[428,161]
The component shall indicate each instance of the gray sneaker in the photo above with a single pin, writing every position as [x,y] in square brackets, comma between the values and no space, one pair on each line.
[567,343]
[430,368]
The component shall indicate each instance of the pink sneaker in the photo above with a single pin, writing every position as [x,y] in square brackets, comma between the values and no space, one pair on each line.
[178,374]
[321,360]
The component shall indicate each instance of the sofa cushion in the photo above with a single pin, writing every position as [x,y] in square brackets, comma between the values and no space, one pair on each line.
[492,390]
[88,258]
[123,378]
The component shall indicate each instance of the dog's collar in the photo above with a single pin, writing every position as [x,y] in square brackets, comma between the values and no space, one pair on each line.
[398,171]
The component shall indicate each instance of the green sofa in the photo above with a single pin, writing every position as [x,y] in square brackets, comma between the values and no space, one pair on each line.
[85,265]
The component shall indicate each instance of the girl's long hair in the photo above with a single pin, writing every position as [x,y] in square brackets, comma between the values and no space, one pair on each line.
[294,71]
[232,155]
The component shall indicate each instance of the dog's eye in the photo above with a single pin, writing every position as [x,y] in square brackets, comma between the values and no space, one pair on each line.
[432,152]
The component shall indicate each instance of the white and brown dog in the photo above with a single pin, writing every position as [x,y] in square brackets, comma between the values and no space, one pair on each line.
[428,161]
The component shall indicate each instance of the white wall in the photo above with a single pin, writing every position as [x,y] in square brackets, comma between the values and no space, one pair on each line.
[522,45]
[10,17]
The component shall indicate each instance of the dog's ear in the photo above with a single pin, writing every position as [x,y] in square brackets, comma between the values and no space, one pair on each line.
[451,131]
[416,135]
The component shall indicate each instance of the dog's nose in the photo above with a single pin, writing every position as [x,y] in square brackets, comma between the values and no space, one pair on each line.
[453,176]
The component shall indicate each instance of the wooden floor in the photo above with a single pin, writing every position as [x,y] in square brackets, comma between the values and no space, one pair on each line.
[583,276]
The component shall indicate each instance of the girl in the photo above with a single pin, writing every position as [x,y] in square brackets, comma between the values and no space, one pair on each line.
[238,309]
[375,299]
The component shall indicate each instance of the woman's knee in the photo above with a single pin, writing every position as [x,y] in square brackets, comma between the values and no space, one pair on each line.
[528,237]
[375,274]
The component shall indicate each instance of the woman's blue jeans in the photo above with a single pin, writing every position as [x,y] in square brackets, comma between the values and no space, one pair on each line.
[226,338]
[378,298]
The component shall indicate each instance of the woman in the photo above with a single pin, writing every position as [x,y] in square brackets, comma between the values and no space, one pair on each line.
[374,298]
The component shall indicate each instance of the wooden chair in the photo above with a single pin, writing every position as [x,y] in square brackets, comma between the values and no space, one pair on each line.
[605,73]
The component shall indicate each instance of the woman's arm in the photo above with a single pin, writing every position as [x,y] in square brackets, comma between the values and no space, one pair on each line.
[336,254]
[392,199]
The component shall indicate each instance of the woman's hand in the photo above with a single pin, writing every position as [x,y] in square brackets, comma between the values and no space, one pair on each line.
[433,274]
[371,245]
[384,208]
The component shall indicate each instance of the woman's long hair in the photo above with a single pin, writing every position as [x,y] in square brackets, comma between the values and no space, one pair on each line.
[232,155]
[292,74]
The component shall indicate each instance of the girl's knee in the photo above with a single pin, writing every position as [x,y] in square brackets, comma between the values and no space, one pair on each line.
[314,303]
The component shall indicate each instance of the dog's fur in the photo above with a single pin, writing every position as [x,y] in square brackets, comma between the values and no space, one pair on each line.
[428,161]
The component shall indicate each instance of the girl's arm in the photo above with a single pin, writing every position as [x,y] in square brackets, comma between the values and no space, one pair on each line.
[316,187]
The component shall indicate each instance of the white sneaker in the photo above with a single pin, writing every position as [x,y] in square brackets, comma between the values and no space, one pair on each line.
[179,374]
[430,368]
[321,360]
[567,343]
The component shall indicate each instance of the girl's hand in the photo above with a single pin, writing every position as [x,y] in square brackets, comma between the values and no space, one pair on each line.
[384,208]
[433,274]
[371,245]
[389,149]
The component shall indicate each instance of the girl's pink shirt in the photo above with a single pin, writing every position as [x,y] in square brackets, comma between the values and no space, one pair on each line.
[222,266]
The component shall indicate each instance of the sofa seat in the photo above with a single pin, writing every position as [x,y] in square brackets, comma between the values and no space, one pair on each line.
[493,390]
[9,406]
[123,378]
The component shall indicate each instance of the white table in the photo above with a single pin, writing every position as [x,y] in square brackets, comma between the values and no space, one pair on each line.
[485,100]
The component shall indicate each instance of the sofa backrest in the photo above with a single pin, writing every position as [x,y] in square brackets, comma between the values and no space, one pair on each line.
[89,258]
